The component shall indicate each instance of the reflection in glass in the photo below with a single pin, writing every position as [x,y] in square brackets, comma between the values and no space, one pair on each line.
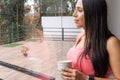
[20,26]
[32,19]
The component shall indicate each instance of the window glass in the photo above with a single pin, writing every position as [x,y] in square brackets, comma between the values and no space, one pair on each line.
[57,7]
[34,35]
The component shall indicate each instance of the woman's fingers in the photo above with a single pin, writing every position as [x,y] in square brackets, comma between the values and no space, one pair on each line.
[67,74]
[72,74]
[68,78]
[68,70]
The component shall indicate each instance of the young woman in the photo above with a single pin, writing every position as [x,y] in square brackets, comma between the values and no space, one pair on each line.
[96,53]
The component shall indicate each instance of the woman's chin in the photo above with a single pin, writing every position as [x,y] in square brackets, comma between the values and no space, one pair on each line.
[78,26]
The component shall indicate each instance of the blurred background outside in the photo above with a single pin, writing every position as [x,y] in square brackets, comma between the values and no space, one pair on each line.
[35,34]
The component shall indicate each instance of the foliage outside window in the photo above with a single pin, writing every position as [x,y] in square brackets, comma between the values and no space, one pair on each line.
[57,7]
[11,21]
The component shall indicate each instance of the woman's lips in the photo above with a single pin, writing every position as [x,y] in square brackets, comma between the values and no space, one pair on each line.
[76,21]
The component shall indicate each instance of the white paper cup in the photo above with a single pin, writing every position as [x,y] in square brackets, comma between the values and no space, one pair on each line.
[64,64]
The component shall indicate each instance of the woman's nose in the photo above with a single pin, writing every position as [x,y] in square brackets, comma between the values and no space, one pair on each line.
[74,14]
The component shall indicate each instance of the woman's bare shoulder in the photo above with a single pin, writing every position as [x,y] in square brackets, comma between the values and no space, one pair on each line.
[113,43]
[113,40]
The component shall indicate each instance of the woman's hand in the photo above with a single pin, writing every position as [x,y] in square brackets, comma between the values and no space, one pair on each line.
[73,74]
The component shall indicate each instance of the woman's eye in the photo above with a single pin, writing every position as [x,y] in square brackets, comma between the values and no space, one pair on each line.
[80,10]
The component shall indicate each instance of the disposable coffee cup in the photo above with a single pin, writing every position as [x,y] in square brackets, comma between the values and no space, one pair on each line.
[64,64]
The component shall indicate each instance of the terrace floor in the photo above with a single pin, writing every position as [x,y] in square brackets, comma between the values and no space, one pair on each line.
[41,60]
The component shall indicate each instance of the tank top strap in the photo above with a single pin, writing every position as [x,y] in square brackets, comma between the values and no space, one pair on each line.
[79,40]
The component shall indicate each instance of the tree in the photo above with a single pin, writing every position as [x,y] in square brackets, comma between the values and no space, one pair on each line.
[11,20]
[57,7]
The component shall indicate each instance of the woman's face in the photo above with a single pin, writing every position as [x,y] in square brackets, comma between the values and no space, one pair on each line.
[79,15]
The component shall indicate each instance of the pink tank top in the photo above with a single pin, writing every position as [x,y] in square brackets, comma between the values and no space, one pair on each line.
[84,65]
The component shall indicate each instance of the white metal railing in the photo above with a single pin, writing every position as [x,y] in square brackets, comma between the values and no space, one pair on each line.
[60,33]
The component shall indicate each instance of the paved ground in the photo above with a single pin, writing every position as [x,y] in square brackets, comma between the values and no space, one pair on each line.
[42,57]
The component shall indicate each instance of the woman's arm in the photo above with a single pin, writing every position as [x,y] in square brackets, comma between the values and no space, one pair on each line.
[113,48]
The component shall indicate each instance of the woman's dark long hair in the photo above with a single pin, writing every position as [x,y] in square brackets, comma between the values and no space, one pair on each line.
[97,34]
